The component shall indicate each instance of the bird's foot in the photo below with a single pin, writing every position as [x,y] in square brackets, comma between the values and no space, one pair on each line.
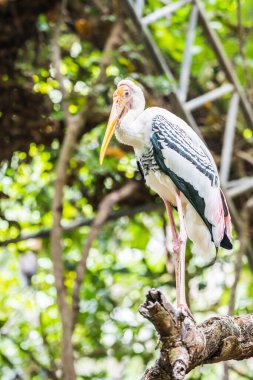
[184,310]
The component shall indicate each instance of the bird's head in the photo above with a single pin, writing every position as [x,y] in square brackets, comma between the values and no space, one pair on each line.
[128,96]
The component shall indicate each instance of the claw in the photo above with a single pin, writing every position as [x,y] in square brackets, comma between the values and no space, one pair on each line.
[185,311]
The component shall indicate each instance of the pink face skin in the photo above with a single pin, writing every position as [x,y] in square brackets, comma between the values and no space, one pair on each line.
[122,99]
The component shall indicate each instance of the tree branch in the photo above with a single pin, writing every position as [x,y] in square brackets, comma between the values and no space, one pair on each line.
[56,232]
[50,373]
[73,127]
[56,58]
[104,211]
[145,207]
[186,345]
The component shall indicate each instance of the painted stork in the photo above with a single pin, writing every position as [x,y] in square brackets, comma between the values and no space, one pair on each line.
[178,166]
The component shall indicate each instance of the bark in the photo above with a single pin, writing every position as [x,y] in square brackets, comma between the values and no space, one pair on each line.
[73,125]
[56,253]
[69,141]
[186,345]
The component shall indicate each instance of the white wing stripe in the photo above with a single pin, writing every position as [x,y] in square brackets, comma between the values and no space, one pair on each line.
[171,136]
[182,139]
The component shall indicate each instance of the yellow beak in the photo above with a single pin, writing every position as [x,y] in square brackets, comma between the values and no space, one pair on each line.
[118,110]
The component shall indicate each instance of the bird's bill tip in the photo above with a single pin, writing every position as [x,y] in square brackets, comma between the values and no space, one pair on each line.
[112,123]
[119,109]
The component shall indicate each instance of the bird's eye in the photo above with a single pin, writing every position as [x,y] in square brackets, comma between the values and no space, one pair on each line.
[126,94]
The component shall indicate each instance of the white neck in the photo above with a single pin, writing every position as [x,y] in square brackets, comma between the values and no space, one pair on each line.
[130,131]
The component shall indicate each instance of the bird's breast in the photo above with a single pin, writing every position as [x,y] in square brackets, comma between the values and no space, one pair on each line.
[154,177]
[162,185]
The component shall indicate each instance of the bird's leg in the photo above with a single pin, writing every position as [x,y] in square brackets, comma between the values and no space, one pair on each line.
[181,252]
[172,222]
[180,259]
[179,245]
[176,245]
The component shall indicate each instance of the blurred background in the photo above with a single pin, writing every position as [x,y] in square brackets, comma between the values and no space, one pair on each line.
[59,65]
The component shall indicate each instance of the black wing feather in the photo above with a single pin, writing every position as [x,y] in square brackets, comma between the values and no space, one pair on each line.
[185,187]
[175,138]
[164,132]
[140,169]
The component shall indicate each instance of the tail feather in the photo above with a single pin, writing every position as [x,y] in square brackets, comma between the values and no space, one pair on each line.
[219,216]
[226,243]
[198,233]
[215,212]
[227,218]
[220,233]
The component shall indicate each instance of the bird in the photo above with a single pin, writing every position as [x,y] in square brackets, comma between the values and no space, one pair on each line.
[178,166]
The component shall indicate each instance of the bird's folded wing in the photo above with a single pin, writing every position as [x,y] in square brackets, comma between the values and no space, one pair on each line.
[187,164]
[140,169]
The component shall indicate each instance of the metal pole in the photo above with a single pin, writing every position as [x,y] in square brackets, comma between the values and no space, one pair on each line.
[186,65]
[225,63]
[209,96]
[161,64]
[139,5]
[246,185]
[228,140]
[165,11]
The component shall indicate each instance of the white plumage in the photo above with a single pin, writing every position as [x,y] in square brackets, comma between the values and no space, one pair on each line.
[176,164]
